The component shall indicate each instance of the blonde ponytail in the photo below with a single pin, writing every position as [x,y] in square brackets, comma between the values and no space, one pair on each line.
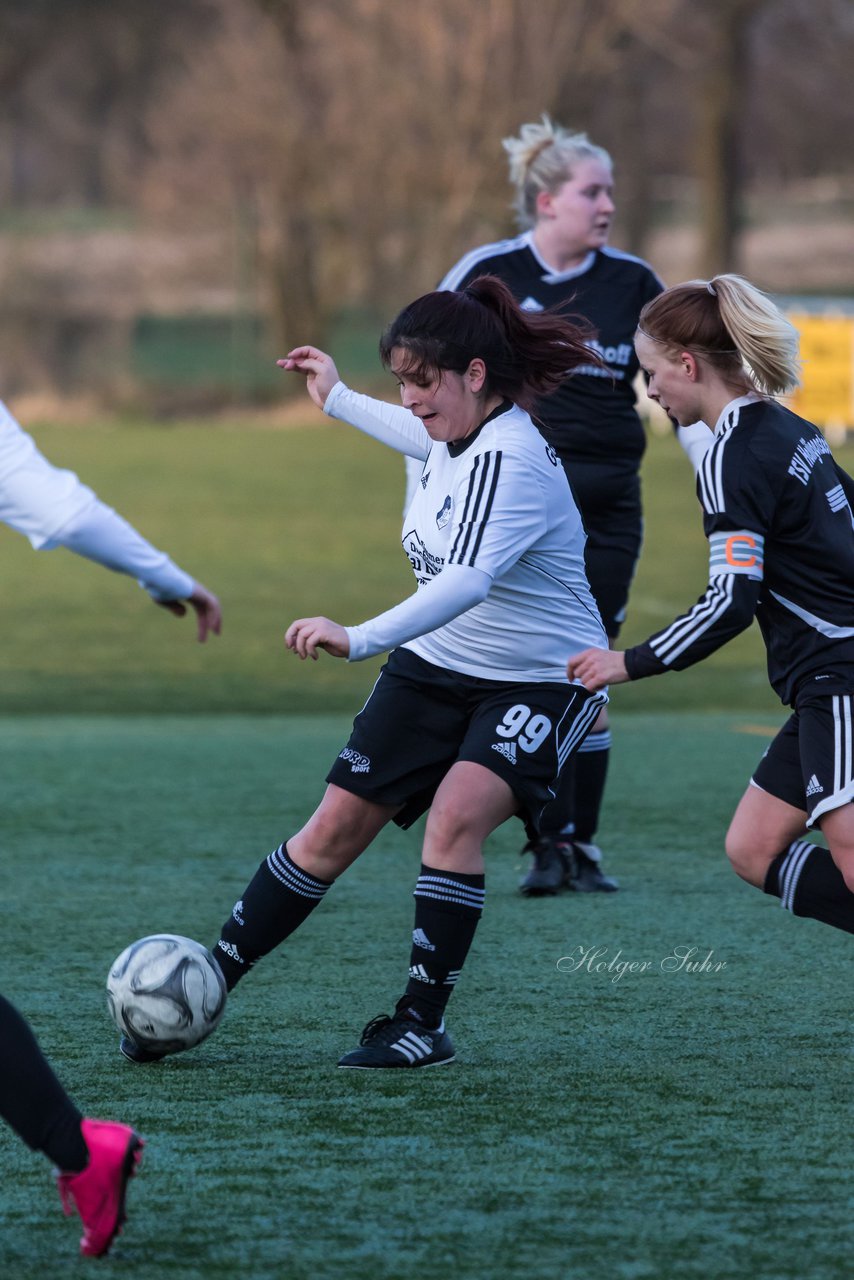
[767,342]
[732,324]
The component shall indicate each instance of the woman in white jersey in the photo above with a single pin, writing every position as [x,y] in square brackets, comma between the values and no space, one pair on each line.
[472,715]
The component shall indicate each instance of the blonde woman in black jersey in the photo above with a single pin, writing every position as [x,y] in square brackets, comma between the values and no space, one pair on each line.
[777,511]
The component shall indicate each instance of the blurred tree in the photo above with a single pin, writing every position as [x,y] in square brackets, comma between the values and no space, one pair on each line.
[23,36]
[724,83]
[800,107]
[79,76]
[336,118]
[297,159]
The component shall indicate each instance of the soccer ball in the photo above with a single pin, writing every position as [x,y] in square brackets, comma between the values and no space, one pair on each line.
[166,992]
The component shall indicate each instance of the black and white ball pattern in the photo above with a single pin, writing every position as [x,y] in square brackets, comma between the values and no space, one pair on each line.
[166,992]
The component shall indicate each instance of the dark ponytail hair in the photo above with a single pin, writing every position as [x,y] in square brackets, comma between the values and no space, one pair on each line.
[527,354]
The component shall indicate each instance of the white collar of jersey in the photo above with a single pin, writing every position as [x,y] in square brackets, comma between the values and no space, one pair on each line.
[556,277]
[738,403]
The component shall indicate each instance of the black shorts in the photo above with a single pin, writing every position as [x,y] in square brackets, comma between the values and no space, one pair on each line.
[421,719]
[810,763]
[609,499]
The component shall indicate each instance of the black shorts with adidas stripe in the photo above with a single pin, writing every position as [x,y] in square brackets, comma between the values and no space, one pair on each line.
[810,763]
[421,719]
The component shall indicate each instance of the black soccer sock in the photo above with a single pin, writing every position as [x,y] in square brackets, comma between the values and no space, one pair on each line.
[32,1100]
[276,901]
[448,906]
[589,774]
[558,817]
[808,883]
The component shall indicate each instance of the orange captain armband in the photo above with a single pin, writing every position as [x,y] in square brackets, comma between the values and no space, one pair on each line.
[737,551]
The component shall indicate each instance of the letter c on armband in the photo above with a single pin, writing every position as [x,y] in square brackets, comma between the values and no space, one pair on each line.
[738,552]
[740,560]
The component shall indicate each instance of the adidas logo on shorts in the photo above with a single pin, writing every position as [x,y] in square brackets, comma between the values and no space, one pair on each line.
[814,787]
[506,749]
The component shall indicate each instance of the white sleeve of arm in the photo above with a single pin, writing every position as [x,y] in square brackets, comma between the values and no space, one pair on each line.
[696,440]
[102,535]
[52,508]
[457,588]
[391,424]
[36,498]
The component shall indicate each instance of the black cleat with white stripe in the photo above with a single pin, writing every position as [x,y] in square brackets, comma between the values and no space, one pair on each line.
[400,1041]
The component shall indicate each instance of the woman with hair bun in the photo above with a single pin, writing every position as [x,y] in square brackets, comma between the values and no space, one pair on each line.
[564,203]
[777,511]
[472,717]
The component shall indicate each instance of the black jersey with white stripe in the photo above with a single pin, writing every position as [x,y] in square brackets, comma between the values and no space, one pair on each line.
[593,414]
[777,512]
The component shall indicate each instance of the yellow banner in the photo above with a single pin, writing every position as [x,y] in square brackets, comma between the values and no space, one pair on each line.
[826,396]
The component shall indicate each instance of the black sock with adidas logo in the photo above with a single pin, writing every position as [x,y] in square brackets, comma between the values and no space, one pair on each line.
[448,906]
[808,883]
[278,898]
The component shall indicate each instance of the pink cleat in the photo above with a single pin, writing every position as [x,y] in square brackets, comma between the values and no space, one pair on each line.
[98,1191]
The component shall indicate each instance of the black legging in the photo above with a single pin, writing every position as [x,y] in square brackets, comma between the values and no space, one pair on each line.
[32,1100]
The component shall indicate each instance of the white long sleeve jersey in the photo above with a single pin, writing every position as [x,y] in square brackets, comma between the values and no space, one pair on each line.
[496,544]
[53,508]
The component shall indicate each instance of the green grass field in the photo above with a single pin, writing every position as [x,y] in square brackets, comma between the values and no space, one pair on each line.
[656,1125]
[659,1124]
[282,524]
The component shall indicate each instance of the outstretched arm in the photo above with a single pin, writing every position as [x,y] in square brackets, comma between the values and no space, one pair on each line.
[103,536]
[726,609]
[53,508]
[456,589]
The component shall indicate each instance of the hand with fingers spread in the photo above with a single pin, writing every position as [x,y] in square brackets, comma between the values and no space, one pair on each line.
[319,370]
[306,635]
[207,608]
